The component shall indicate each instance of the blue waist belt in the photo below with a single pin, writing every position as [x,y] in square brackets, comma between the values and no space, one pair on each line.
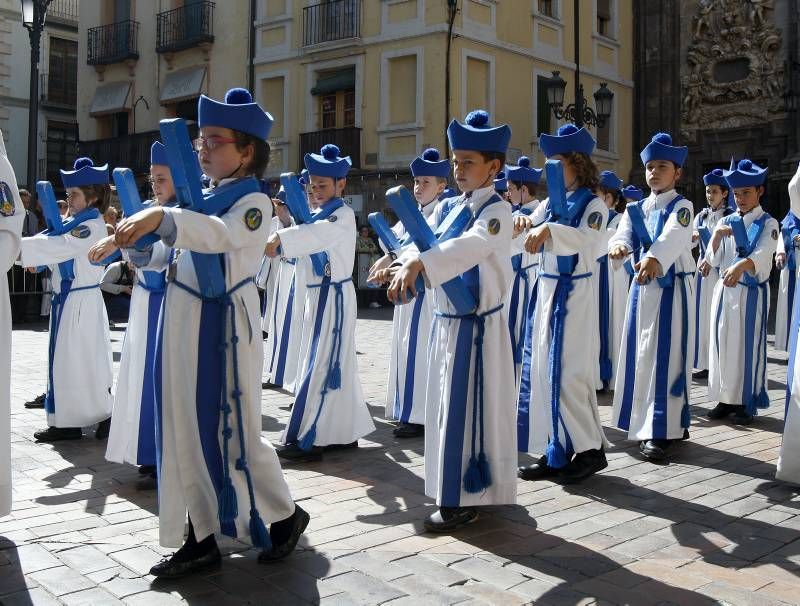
[753,401]
[478,475]
[518,340]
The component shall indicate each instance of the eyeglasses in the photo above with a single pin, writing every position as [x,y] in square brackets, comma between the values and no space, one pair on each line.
[211,143]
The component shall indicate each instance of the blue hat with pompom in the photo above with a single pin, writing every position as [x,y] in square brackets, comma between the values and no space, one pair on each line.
[429,164]
[746,174]
[304,177]
[475,134]
[631,192]
[523,172]
[568,139]
[158,154]
[661,148]
[328,163]
[610,180]
[500,182]
[716,177]
[238,112]
[85,173]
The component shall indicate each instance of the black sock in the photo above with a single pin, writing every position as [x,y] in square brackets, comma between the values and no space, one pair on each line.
[280,531]
[192,549]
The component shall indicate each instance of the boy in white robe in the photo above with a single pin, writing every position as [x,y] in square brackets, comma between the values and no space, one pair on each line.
[706,278]
[651,397]
[740,306]
[79,362]
[469,459]
[329,409]
[786,263]
[213,462]
[558,417]
[12,216]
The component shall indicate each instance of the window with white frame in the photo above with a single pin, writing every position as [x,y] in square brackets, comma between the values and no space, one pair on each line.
[547,8]
[605,21]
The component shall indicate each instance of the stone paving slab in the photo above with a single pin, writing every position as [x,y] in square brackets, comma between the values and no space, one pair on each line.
[712,527]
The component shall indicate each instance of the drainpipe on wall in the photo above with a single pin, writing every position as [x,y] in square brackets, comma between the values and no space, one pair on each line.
[251,49]
[452,11]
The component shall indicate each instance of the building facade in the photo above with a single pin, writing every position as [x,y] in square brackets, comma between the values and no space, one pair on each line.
[725,75]
[142,61]
[58,87]
[382,78]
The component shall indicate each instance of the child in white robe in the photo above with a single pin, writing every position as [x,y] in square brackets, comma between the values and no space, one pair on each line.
[786,263]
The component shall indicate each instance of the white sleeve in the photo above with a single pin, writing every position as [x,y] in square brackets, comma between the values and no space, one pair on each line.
[317,237]
[566,240]
[780,247]
[50,250]
[794,192]
[108,283]
[674,239]
[765,247]
[624,234]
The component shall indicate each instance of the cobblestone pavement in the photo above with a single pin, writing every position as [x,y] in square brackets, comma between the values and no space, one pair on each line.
[711,527]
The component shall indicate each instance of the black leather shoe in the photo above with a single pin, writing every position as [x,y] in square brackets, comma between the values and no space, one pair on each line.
[740,416]
[582,466]
[720,411]
[292,452]
[146,470]
[409,430]
[655,449]
[37,402]
[538,471]
[268,385]
[56,434]
[299,521]
[103,427]
[347,446]
[448,519]
[174,568]
[700,374]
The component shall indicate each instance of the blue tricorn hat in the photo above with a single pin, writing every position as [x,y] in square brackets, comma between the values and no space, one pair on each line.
[475,134]
[716,177]
[85,173]
[661,148]
[631,192]
[304,177]
[569,138]
[500,182]
[523,172]
[328,163]
[238,112]
[610,180]
[429,164]
[746,174]
[158,154]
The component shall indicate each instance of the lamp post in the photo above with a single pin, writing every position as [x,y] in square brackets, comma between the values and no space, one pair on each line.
[33,15]
[133,110]
[579,112]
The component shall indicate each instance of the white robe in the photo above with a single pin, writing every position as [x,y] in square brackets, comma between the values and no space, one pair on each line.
[285,332]
[618,287]
[789,460]
[192,466]
[704,290]
[337,415]
[450,393]
[132,436]
[784,308]
[579,427]
[651,358]
[266,279]
[82,372]
[734,309]
[12,214]
[526,272]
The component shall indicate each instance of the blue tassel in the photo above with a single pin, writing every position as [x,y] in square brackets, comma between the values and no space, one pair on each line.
[686,417]
[678,386]
[228,508]
[472,478]
[486,472]
[605,370]
[335,377]
[556,456]
[228,528]
[258,532]
[763,399]
[308,440]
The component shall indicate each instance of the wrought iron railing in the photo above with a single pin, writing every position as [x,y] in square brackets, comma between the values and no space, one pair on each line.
[113,43]
[130,151]
[347,139]
[185,27]
[333,20]
[65,11]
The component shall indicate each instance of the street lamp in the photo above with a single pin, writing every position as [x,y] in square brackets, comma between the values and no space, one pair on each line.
[579,112]
[133,110]
[33,15]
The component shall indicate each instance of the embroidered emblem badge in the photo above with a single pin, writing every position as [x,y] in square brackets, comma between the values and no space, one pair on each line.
[253,218]
[6,200]
[82,232]
[684,216]
[333,218]
[494,226]
[595,221]
[774,234]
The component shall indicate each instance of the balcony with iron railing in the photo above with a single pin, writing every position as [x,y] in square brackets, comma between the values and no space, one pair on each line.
[113,43]
[331,21]
[63,11]
[347,139]
[130,151]
[58,91]
[185,27]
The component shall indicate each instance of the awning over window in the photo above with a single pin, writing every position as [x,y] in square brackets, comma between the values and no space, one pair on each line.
[183,84]
[344,79]
[111,98]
